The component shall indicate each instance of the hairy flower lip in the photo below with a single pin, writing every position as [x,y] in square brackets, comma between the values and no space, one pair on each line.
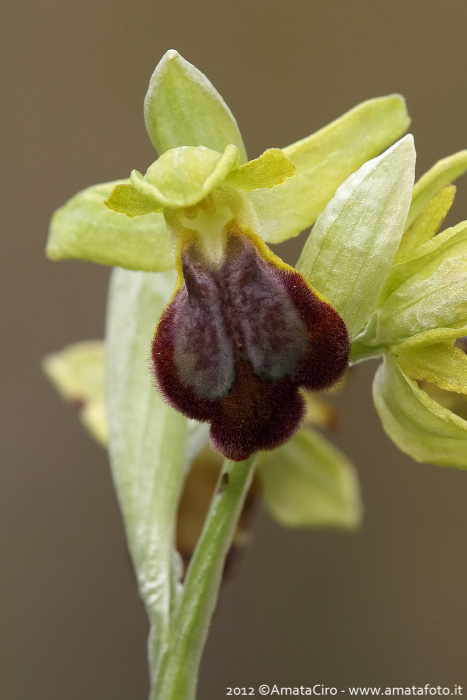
[237,342]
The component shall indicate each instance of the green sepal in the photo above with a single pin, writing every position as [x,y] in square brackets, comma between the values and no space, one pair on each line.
[183,176]
[424,295]
[441,174]
[77,372]
[442,364]
[309,483]
[270,169]
[182,108]
[85,228]
[428,222]
[125,199]
[323,161]
[349,253]
[417,424]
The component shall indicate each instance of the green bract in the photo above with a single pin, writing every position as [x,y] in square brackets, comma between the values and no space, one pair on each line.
[352,246]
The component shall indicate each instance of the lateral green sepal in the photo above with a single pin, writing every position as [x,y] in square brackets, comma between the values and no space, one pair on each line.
[85,228]
[125,199]
[323,161]
[309,483]
[270,169]
[416,423]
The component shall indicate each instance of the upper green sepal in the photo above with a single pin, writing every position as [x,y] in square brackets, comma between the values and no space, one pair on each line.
[182,108]
[183,176]
[125,199]
[85,228]
[270,169]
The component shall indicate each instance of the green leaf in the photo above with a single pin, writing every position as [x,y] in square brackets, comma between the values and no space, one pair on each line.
[182,108]
[85,228]
[419,426]
[77,372]
[147,441]
[126,200]
[427,222]
[323,161]
[424,295]
[441,174]
[270,169]
[183,176]
[350,251]
[309,483]
[441,364]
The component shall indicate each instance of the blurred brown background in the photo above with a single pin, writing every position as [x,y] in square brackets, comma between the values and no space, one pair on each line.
[387,606]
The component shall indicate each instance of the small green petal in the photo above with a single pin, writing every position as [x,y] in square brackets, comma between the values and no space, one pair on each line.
[85,228]
[309,483]
[126,200]
[183,176]
[270,169]
[441,364]
[323,161]
[442,173]
[350,251]
[427,222]
[424,294]
[77,372]
[182,108]
[417,424]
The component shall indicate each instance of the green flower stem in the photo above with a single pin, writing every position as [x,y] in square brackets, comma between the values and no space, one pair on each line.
[178,674]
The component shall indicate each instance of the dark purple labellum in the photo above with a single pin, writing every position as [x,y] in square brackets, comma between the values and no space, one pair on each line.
[238,341]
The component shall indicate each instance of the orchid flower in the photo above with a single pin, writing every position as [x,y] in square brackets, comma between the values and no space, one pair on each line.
[235,335]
